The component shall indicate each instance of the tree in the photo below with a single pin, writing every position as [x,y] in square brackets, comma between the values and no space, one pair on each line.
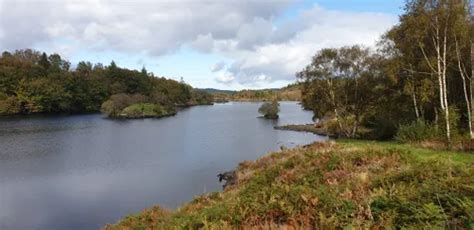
[339,82]
[44,62]
[432,38]
[270,109]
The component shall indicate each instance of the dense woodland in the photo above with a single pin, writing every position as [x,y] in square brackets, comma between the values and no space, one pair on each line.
[33,82]
[417,81]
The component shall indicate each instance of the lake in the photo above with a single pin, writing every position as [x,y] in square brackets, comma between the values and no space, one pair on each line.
[83,171]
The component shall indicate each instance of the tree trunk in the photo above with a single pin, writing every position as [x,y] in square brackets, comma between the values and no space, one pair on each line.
[415,105]
[471,85]
[445,60]
[463,73]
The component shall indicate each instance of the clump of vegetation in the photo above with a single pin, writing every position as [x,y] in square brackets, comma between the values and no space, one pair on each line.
[135,106]
[356,184]
[430,135]
[416,131]
[270,110]
[117,103]
[9,105]
[146,110]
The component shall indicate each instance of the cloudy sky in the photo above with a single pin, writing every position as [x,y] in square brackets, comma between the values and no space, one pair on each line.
[210,43]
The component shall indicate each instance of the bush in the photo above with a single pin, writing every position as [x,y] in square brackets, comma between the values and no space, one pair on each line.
[10,105]
[454,121]
[416,131]
[270,110]
[114,106]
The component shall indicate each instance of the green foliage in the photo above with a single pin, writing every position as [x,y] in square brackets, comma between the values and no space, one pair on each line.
[143,110]
[454,121]
[400,82]
[416,131]
[202,98]
[9,105]
[114,106]
[33,82]
[270,109]
[341,82]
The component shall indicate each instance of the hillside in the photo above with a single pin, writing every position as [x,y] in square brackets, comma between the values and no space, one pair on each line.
[289,93]
[326,185]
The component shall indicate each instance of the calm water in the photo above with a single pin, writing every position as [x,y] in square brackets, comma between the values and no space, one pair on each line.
[81,172]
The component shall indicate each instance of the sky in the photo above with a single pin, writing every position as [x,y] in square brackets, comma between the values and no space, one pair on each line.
[224,44]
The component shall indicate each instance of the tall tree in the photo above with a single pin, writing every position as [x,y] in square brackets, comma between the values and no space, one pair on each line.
[339,81]
[429,38]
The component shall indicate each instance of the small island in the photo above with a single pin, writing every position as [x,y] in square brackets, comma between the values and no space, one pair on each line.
[146,110]
[270,110]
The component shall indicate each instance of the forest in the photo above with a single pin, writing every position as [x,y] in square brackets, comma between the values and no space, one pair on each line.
[32,82]
[416,84]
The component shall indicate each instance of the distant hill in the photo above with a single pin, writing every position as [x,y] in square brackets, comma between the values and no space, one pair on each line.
[288,93]
[214,91]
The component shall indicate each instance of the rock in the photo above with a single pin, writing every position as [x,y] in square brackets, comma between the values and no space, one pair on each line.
[229,177]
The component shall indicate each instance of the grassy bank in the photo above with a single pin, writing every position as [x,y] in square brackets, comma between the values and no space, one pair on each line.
[357,184]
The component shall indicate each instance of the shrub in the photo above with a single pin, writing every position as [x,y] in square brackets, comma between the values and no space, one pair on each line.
[416,131]
[332,127]
[10,105]
[114,106]
[454,121]
[270,110]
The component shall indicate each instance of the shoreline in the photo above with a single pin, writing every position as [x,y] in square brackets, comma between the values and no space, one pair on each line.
[309,128]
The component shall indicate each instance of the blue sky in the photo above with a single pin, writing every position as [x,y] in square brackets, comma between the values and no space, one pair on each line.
[379,6]
[257,44]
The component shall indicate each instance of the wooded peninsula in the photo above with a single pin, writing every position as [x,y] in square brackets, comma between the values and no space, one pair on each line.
[37,83]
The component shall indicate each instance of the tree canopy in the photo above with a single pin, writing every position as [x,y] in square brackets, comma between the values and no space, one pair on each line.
[270,110]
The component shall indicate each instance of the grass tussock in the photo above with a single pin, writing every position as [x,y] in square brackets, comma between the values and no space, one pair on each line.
[352,184]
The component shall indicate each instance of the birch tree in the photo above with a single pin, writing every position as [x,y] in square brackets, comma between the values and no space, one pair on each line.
[427,37]
[339,81]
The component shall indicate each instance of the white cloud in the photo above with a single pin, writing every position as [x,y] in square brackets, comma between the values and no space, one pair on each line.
[218,66]
[158,27]
[224,77]
[244,32]
[311,31]
[203,43]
